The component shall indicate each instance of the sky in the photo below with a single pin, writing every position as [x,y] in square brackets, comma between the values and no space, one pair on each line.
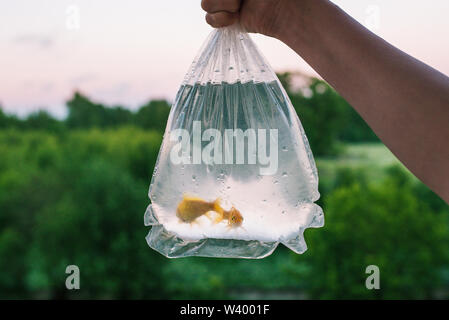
[127,52]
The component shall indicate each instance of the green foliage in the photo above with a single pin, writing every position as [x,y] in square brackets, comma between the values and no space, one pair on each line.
[320,114]
[98,227]
[354,128]
[85,114]
[378,224]
[326,117]
[77,199]
[74,192]
[42,120]
[153,115]
[8,121]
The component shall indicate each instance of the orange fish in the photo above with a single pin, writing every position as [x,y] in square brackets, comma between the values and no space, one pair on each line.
[233,216]
[190,208]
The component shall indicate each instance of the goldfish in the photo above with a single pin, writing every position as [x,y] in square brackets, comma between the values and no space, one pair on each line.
[233,216]
[191,208]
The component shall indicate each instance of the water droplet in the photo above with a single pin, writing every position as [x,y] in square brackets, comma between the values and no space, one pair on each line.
[193,178]
[284,148]
[275,182]
[283,212]
[231,68]
[284,174]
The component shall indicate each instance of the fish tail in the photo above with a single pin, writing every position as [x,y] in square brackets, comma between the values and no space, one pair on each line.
[217,207]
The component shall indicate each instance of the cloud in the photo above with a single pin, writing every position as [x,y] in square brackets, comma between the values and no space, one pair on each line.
[39,40]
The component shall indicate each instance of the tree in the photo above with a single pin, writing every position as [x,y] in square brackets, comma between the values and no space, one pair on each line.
[96,224]
[384,225]
[83,113]
[42,120]
[8,121]
[326,117]
[154,115]
[320,112]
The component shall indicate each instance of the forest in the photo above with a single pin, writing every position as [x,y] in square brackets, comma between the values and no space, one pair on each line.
[73,191]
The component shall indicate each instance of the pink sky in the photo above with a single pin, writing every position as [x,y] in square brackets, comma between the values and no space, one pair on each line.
[126,53]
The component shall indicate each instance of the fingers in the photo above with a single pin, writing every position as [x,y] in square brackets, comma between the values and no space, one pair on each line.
[221,13]
[213,6]
[221,19]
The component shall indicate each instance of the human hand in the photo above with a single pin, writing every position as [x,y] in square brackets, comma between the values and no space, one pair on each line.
[261,16]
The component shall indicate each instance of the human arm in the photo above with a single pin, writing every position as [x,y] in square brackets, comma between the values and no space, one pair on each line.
[403,100]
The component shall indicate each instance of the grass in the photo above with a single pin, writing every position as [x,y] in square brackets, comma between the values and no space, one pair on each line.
[372,157]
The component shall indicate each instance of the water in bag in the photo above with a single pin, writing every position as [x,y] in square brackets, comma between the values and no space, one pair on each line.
[235,175]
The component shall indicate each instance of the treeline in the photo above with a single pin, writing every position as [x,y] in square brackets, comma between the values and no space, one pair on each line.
[327,118]
[83,114]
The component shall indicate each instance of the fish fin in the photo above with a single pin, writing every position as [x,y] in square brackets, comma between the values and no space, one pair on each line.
[188,196]
[207,214]
[218,219]
[219,210]
[217,207]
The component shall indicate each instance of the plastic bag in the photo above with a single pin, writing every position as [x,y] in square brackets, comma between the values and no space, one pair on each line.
[235,175]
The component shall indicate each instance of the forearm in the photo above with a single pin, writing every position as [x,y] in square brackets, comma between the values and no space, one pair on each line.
[403,100]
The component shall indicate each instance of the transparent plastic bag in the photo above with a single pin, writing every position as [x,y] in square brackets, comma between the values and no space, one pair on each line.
[235,175]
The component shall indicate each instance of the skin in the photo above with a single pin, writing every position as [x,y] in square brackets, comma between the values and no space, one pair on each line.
[404,101]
